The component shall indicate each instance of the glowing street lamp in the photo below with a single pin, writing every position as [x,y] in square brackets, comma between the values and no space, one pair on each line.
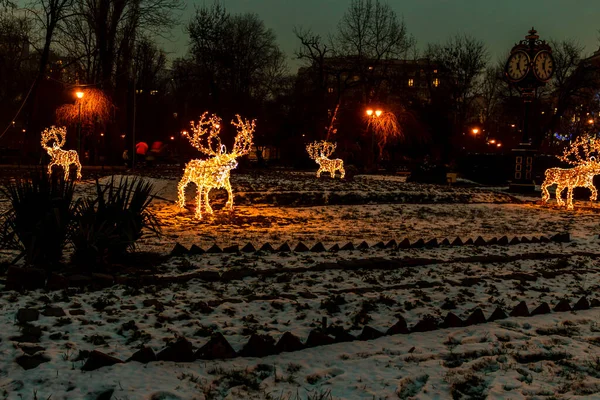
[475,131]
[373,114]
[590,121]
[79,95]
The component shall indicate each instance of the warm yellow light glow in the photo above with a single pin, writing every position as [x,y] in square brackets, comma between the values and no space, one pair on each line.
[475,131]
[320,151]
[378,113]
[493,141]
[79,94]
[369,112]
[590,121]
[499,145]
[582,175]
[214,171]
[172,137]
[58,156]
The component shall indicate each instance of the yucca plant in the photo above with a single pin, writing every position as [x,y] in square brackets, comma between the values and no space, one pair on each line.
[109,225]
[39,219]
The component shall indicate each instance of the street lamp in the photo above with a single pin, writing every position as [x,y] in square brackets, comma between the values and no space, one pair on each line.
[373,114]
[475,131]
[79,95]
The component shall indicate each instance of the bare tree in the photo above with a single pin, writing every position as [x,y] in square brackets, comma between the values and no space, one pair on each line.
[49,14]
[460,61]
[15,60]
[370,33]
[575,79]
[490,90]
[236,56]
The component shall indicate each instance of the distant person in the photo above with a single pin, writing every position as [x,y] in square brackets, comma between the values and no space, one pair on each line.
[155,153]
[141,149]
[126,158]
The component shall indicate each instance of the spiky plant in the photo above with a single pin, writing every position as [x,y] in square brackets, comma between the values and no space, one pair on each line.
[109,225]
[39,219]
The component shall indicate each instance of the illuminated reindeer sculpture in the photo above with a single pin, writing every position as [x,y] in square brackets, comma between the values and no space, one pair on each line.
[214,171]
[582,175]
[320,151]
[58,156]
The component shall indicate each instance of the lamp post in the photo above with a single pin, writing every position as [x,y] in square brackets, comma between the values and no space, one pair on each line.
[79,95]
[530,65]
[373,114]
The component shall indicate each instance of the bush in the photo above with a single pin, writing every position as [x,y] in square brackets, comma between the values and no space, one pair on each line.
[428,173]
[109,225]
[39,219]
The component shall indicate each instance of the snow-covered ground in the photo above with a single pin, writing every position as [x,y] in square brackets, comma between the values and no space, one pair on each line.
[554,355]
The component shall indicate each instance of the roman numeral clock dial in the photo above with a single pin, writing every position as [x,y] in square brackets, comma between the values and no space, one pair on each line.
[518,66]
[543,66]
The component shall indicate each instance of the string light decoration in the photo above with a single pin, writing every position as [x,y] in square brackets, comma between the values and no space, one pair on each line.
[386,128]
[320,152]
[58,156]
[213,173]
[95,106]
[579,153]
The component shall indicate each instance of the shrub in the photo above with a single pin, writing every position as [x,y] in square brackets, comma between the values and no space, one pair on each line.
[39,218]
[109,225]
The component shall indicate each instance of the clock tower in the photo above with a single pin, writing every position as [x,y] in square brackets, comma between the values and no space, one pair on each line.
[530,65]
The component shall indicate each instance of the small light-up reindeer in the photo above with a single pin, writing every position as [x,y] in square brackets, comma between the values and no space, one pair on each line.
[58,156]
[582,175]
[214,172]
[320,151]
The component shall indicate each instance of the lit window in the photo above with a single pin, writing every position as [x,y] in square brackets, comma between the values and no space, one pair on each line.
[411,82]
[436,82]
[435,71]
[330,90]
[153,92]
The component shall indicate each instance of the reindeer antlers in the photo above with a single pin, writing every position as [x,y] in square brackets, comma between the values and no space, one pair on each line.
[320,149]
[243,140]
[209,126]
[580,151]
[56,133]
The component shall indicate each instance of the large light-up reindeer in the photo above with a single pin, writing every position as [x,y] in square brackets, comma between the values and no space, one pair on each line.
[320,152]
[214,171]
[58,156]
[579,153]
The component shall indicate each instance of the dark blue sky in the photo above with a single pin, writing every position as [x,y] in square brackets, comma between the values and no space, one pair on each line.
[499,23]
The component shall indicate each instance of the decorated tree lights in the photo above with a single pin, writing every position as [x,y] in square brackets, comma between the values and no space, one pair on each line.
[214,171]
[58,156]
[320,152]
[586,167]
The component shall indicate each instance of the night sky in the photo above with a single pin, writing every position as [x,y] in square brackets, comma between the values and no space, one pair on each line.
[499,23]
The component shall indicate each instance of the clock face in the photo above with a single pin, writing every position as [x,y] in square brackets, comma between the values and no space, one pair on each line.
[543,66]
[517,66]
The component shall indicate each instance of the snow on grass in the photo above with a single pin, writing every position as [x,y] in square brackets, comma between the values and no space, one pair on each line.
[546,355]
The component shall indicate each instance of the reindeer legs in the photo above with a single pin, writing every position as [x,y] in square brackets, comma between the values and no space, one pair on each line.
[206,203]
[229,204]
[570,197]
[594,195]
[559,190]
[545,192]
[181,190]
